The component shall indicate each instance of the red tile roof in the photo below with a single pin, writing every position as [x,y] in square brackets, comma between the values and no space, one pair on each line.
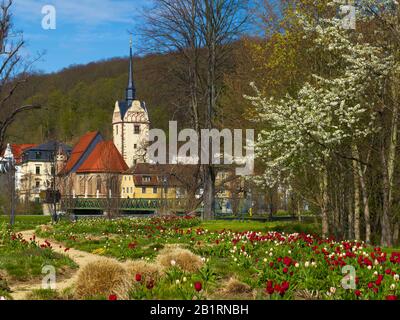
[105,158]
[83,143]
[18,150]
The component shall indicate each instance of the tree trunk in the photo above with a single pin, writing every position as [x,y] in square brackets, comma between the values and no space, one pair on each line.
[209,193]
[324,203]
[350,219]
[386,237]
[365,198]
[357,208]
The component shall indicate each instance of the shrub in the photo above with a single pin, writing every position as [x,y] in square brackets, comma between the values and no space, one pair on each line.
[145,269]
[102,278]
[182,258]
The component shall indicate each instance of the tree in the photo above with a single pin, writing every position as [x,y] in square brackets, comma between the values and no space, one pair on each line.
[12,71]
[202,33]
[332,109]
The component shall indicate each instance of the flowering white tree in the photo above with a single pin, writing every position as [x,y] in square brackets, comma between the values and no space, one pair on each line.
[334,107]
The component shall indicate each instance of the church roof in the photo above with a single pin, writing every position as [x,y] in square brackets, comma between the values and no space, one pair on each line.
[105,158]
[80,149]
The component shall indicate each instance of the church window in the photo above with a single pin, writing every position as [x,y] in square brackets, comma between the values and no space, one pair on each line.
[137,129]
[98,184]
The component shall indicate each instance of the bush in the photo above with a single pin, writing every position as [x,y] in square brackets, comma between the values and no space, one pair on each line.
[182,258]
[102,278]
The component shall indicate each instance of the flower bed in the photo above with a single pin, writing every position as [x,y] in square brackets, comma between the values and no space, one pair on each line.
[269,265]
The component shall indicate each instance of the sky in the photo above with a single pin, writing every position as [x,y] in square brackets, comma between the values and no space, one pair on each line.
[85,30]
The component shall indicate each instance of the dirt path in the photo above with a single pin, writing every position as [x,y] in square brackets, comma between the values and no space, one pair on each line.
[81,258]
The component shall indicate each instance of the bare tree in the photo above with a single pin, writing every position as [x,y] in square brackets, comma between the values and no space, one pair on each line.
[202,32]
[13,70]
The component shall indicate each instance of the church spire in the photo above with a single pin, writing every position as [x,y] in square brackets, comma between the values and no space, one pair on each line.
[130,90]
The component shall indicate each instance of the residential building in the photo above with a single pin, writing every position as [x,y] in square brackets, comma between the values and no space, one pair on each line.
[38,169]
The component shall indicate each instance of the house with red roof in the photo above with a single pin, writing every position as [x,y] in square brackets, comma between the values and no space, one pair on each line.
[94,170]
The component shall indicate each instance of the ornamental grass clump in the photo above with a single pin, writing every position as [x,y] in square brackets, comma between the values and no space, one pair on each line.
[235,289]
[182,258]
[146,269]
[102,278]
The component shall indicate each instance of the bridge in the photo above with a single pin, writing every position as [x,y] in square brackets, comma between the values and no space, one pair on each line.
[100,205]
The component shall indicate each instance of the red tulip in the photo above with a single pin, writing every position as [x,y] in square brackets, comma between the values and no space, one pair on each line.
[198,286]
[150,284]
[138,277]
[391,297]
[357,293]
[112,297]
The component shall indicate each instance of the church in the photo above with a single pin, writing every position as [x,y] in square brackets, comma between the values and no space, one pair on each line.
[119,168]
[97,168]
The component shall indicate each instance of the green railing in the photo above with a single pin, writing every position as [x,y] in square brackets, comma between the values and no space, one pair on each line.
[123,204]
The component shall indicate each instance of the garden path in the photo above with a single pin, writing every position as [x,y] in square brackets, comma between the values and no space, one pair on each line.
[81,258]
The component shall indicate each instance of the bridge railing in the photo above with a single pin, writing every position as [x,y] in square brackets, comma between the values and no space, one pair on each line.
[122,204]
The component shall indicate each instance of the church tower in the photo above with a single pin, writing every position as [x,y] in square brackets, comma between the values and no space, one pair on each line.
[131,123]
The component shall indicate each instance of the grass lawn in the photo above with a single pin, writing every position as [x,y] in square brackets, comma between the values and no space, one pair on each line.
[26,222]
[22,261]
[236,260]
[241,226]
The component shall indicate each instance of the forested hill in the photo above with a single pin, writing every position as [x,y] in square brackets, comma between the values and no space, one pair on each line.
[82,98]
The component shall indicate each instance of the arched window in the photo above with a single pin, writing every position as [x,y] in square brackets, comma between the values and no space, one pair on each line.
[90,186]
[98,184]
[82,186]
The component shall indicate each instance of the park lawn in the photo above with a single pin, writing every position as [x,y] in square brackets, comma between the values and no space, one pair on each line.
[23,261]
[25,222]
[240,259]
[241,226]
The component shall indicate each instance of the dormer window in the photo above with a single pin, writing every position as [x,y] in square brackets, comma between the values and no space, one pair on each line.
[146,179]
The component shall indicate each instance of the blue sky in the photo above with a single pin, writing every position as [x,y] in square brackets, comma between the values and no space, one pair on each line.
[86,30]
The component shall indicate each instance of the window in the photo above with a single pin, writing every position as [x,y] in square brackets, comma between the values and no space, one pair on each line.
[135,146]
[123,190]
[155,190]
[38,155]
[116,129]
[37,170]
[53,171]
[98,184]
[37,184]
[143,190]
[137,129]
[146,179]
